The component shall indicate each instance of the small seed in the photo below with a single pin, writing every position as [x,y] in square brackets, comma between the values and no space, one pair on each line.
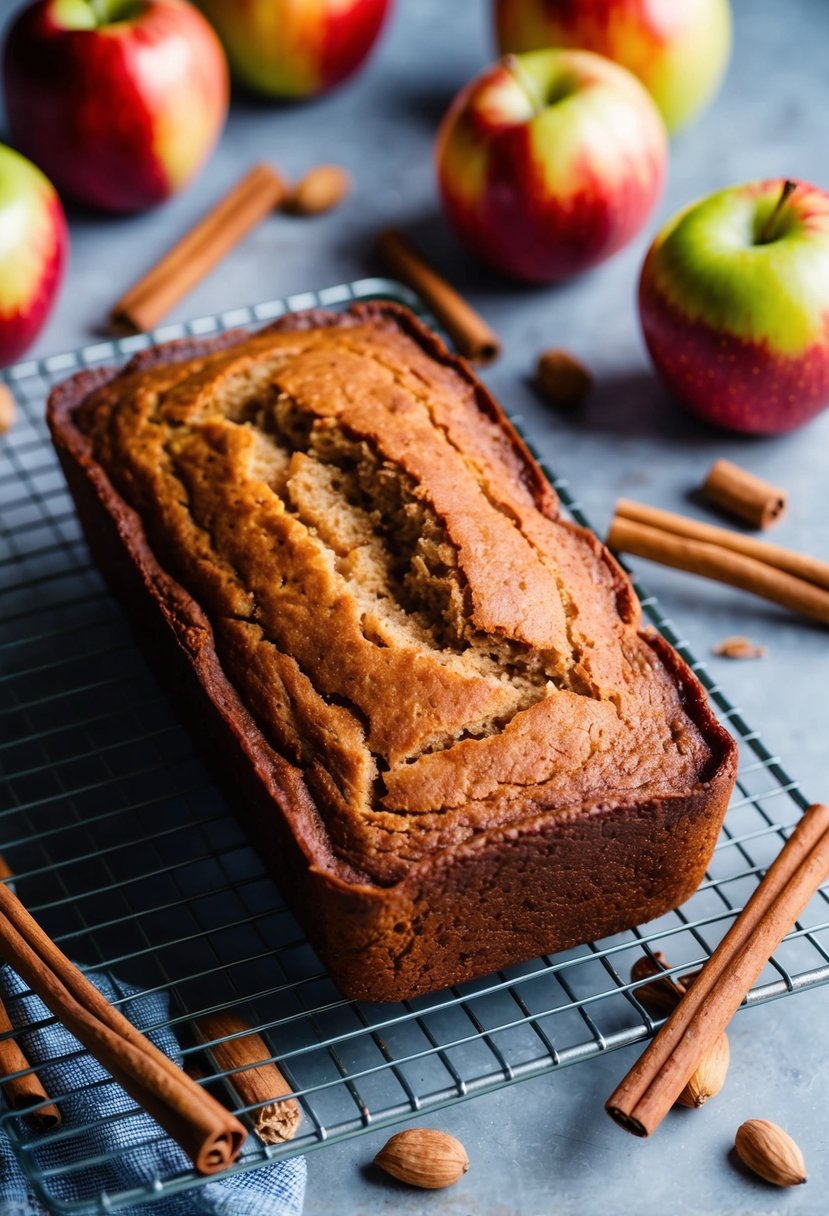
[321,189]
[562,379]
[770,1152]
[7,409]
[424,1157]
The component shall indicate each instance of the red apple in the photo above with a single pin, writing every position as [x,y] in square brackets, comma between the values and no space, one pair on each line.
[550,162]
[734,303]
[33,246]
[119,101]
[296,48]
[678,48]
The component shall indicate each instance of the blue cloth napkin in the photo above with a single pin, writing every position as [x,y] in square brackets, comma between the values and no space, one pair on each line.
[137,1150]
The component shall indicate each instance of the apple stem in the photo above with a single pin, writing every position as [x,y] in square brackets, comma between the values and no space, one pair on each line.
[106,12]
[513,66]
[767,232]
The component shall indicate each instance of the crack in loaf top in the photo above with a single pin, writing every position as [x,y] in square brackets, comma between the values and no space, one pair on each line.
[390,588]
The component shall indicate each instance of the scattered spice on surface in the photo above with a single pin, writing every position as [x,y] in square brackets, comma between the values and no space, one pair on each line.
[738,647]
[8,409]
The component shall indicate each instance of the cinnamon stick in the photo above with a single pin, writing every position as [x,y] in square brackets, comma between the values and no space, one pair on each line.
[253,1074]
[740,493]
[720,564]
[657,1079]
[22,1091]
[661,996]
[468,330]
[812,569]
[148,301]
[209,1134]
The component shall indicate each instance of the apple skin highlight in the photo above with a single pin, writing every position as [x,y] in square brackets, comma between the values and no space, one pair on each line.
[737,329]
[118,115]
[34,241]
[542,192]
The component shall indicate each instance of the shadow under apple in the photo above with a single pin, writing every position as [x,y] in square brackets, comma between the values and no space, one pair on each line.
[634,402]
[421,103]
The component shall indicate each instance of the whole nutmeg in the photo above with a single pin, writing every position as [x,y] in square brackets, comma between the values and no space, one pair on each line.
[321,189]
[770,1152]
[562,379]
[663,993]
[424,1157]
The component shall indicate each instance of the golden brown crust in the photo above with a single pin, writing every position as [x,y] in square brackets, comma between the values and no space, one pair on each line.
[487,682]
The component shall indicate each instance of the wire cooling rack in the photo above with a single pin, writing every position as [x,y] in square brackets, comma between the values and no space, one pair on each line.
[125,851]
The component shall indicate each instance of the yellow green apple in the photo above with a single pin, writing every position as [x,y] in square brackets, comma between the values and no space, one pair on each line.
[33,246]
[119,101]
[734,305]
[550,162]
[295,48]
[679,49]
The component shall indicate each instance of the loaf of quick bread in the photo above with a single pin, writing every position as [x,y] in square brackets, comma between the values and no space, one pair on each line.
[431,698]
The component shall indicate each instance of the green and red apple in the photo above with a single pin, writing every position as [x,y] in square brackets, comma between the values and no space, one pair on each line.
[296,48]
[33,245]
[679,49]
[119,101]
[550,162]
[734,304]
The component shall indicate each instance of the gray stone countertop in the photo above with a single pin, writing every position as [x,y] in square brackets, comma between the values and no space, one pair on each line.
[545,1145]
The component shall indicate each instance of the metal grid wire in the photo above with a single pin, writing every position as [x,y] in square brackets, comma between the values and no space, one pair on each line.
[125,851]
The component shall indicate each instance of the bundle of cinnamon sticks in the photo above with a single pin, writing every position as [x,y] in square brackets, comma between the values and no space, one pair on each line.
[208,1133]
[652,1086]
[794,580]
